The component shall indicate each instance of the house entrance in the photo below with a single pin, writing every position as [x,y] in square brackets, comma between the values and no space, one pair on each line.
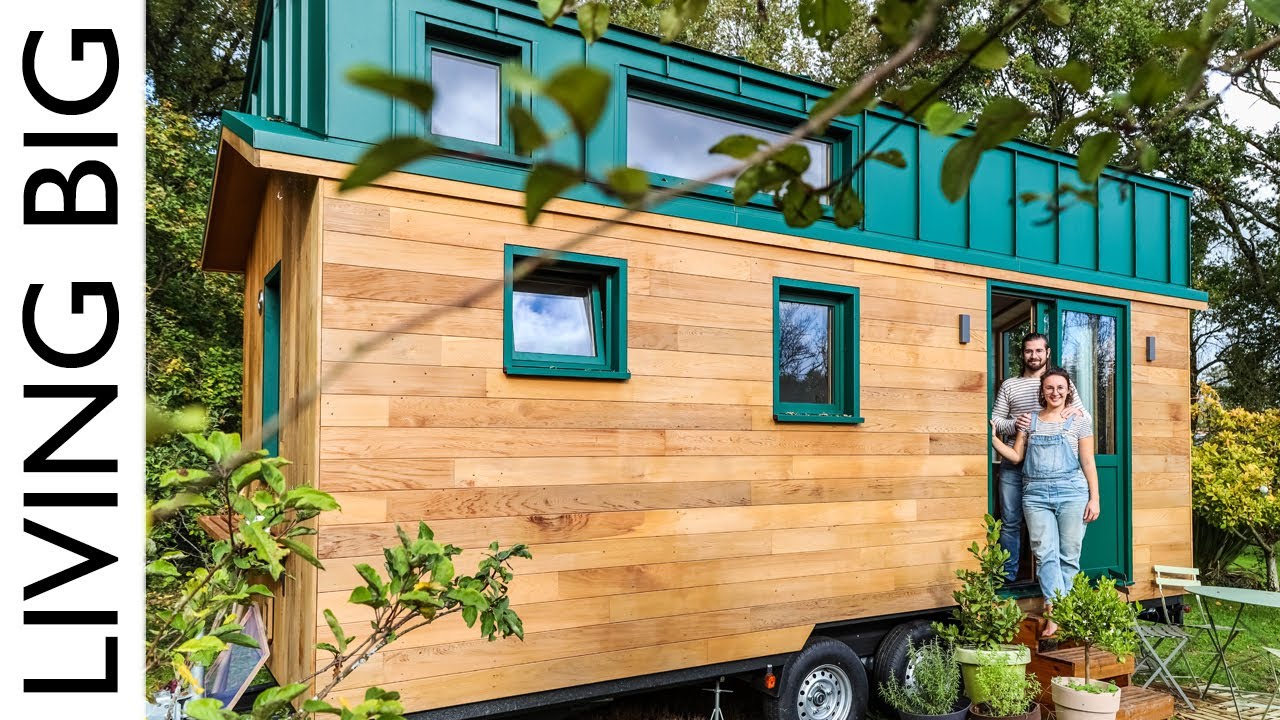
[1088,339]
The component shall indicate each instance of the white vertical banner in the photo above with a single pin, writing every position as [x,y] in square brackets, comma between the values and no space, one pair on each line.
[71,329]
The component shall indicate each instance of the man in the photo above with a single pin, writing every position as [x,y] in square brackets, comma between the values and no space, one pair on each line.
[1017,398]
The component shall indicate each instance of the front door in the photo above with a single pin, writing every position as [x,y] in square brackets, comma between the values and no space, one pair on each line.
[1088,340]
[1091,348]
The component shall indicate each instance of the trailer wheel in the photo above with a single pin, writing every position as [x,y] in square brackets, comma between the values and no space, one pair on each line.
[891,658]
[824,681]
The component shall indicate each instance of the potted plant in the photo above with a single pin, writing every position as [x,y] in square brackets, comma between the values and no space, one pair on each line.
[1095,616]
[1009,696]
[985,623]
[933,686]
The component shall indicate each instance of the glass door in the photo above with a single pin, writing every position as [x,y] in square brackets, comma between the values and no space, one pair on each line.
[1092,348]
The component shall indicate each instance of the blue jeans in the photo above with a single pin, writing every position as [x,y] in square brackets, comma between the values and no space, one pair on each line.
[1054,510]
[1011,518]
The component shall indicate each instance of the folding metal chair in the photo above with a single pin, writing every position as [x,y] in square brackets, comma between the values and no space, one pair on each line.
[1163,642]
[1273,660]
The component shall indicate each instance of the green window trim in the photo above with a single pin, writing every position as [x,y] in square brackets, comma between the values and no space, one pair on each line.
[845,360]
[271,355]
[606,279]
[445,39]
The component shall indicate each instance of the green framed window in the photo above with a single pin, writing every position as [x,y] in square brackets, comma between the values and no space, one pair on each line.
[469,110]
[815,352]
[567,318]
[271,355]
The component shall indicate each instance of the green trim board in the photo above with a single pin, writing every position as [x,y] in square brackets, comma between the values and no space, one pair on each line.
[1136,239]
[271,356]
[841,350]
[602,284]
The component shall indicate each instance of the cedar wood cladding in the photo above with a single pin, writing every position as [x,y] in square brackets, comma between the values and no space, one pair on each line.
[673,523]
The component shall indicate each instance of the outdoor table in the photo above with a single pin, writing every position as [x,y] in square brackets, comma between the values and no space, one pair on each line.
[1241,597]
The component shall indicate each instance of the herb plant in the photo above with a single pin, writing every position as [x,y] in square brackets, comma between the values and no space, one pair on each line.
[1007,693]
[935,686]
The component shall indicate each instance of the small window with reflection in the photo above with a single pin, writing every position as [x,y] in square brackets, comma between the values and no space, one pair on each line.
[468,102]
[815,352]
[667,140]
[565,317]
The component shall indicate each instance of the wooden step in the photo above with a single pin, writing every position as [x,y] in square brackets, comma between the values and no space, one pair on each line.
[1069,662]
[1139,703]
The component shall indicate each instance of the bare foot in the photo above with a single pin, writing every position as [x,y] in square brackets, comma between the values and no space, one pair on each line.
[1050,629]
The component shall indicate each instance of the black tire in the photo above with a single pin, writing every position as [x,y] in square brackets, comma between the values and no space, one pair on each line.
[891,658]
[814,682]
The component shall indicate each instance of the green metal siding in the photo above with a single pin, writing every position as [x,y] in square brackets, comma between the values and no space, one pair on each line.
[1137,238]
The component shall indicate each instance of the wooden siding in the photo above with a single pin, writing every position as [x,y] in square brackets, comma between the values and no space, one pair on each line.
[672,522]
[288,233]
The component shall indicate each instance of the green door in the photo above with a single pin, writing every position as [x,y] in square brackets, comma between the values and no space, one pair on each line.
[1091,346]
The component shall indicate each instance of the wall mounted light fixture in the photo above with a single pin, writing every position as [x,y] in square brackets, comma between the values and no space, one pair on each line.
[964,329]
[1151,348]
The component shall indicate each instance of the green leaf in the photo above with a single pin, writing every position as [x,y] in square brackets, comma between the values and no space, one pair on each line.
[676,15]
[302,551]
[206,709]
[1268,10]
[890,157]
[991,56]
[320,706]
[443,571]
[893,19]
[162,567]
[793,157]
[204,643]
[824,20]
[370,576]
[958,168]
[274,698]
[737,146]
[911,99]
[582,92]
[528,133]
[207,448]
[800,205]
[402,87]
[362,595]
[1095,152]
[1148,156]
[184,478]
[942,120]
[387,156]
[551,10]
[469,614]
[847,207]
[306,497]
[520,79]
[246,474]
[746,186]
[629,184]
[468,597]
[1151,84]
[546,180]
[239,638]
[1076,74]
[274,479]
[264,546]
[593,21]
[1058,12]
[1001,120]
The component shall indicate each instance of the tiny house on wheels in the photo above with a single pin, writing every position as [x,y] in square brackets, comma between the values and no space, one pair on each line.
[722,437]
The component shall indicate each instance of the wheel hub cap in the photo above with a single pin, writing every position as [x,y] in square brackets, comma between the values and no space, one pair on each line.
[825,694]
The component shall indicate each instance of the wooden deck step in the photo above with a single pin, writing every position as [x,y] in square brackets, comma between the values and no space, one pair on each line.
[1069,662]
[1139,703]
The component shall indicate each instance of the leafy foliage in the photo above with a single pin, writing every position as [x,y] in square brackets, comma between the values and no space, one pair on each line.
[1094,615]
[1234,472]
[1007,693]
[982,618]
[935,681]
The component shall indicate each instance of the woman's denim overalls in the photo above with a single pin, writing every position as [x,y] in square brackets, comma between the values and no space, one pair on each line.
[1054,495]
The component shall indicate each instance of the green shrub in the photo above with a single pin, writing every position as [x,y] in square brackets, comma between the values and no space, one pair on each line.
[983,619]
[935,686]
[1007,693]
[1094,615]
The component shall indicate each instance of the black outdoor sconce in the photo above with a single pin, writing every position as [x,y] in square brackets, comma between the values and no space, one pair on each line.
[1151,348]
[964,329]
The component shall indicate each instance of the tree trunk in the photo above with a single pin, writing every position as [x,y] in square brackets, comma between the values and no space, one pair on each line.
[1273,579]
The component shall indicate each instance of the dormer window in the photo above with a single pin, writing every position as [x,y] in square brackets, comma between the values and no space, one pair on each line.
[468,102]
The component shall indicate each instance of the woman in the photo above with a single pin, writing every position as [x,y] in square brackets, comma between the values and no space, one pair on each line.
[1060,484]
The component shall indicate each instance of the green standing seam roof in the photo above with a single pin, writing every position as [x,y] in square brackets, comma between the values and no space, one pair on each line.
[1137,238]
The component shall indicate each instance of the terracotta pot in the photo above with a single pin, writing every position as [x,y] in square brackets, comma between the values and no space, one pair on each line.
[1032,714]
[1074,704]
[959,712]
[1013,657]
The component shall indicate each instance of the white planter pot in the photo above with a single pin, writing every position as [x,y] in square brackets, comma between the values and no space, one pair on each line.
[1075,704]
